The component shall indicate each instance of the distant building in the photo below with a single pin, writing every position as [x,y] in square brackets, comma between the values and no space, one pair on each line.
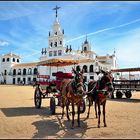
[12,71]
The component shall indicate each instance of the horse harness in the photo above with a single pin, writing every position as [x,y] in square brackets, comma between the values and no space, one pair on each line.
[98,90]
[75,86]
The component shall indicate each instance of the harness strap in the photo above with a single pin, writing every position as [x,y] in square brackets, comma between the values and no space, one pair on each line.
[79,84]
[91,91]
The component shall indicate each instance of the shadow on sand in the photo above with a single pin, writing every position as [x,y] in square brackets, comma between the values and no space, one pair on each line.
[45,128]
[57,129]
[25,111]
[49,125]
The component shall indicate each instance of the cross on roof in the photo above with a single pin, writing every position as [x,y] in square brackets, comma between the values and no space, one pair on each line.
[56,8]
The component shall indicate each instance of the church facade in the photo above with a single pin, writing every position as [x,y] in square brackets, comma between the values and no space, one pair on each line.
[12,71]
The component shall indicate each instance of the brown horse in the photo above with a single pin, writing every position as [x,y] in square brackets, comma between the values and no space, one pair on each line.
[72,91]
[98,92]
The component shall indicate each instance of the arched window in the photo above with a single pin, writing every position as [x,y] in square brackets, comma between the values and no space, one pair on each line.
[34,79]
[13,59]
[50,53]
[29,71]
[3,60]
[19,71]
[51,44]
[55,53]
[59,52]
[14,71]
[8,59]
[78,68]
[55,44]
[35,70]
[85,68]
[17,60]
[91,68]
[18,80]
[24,71]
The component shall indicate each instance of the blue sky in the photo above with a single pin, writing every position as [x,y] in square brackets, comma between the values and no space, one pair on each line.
[24,27]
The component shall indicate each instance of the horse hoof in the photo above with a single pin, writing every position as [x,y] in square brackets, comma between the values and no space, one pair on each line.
[85,119]
[72,127]
[105,125]
[79,125]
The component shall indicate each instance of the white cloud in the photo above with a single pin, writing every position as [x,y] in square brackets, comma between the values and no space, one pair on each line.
[4,42]
[12,10]
[105,29]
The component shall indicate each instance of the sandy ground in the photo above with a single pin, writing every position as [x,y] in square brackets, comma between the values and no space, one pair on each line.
[20,119]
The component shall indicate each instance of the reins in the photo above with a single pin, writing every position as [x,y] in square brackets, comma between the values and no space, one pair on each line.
[95,86]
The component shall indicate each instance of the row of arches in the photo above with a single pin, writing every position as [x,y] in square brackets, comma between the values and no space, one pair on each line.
[24,71]
[8,60]
[85,68]
[25,80]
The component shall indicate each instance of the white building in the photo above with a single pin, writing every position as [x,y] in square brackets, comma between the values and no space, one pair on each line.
[12,71]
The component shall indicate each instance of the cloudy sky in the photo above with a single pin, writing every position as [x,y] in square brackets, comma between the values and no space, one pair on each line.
[24,28]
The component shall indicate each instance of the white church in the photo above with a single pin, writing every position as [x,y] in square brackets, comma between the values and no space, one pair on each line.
[12,71]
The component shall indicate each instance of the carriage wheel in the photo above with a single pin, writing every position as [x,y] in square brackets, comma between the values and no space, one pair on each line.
[119,94]
[37,98]
[82,106]
[52,105]
[128,94]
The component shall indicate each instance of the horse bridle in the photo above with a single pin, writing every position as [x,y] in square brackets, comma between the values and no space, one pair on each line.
[105,84]
[78,84]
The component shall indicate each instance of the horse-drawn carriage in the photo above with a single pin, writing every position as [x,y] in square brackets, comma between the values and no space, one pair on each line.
[70,90]
[50,88]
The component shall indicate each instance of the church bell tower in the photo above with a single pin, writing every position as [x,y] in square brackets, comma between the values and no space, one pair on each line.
[86,46]
[56,46]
